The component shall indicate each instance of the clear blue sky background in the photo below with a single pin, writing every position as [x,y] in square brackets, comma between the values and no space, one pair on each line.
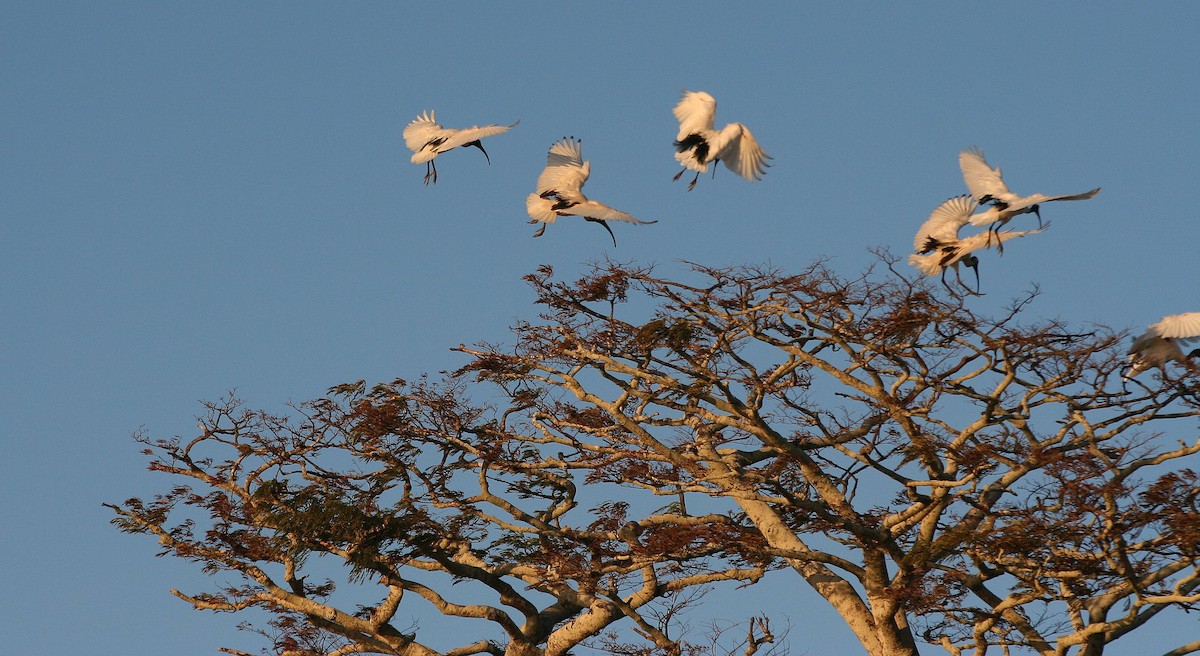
[198,197]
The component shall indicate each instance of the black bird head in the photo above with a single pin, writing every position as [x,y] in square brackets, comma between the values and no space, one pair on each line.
[973,262]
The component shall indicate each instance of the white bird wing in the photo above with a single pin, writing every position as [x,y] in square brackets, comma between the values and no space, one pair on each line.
[982,180]
[474,133]
[1184,326]
[422,130]
[944,222]
[988,239]
[1040,198]
[594,210]
[565,170]
[567,151]
[741,152]
[695,113]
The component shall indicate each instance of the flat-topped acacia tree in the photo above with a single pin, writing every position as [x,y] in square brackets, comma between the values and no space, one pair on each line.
[985,484]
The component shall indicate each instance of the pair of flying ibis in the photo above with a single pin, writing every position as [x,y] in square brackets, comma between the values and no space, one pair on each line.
[939,248]
[938,244]
[559,187]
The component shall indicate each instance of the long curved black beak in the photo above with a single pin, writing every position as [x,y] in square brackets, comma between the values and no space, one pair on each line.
[480,147]
[604,224]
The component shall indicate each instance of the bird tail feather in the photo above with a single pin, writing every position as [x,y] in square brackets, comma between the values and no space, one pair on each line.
[926,264]
[423,155]
[540,209]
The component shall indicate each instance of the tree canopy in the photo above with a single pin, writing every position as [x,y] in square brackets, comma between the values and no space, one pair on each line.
[980,483]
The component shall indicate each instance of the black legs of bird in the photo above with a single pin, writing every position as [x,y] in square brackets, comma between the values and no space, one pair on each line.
[994,226]
[430,172]
[692,184]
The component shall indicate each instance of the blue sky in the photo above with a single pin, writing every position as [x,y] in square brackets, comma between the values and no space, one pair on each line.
[198,197]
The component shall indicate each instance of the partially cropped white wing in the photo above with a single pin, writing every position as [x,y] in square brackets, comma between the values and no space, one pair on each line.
[982,180]
[593,210]
[944,222]
[422,130]
[1179,326]
[565,170]
[695,113]
[741,153]
[474,133]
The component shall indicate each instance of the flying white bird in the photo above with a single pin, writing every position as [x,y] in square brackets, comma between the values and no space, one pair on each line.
[428,139]
[559,191]
[699,145]
[1161,341]
[939,247]
[987,186]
